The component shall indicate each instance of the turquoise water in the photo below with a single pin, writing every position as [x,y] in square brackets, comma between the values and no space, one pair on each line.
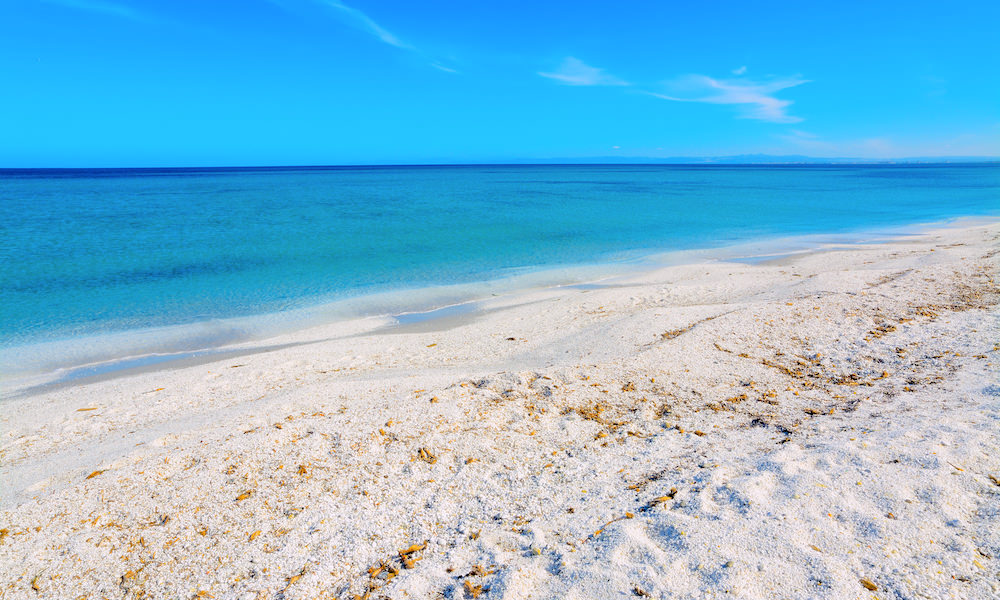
[181,259]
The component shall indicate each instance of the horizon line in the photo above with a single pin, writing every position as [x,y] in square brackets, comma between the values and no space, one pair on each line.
[707,161]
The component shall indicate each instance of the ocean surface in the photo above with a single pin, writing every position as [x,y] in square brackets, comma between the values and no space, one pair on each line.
[104,264]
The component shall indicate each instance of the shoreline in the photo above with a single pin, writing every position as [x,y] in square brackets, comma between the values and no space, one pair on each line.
[794,427]
[299,322]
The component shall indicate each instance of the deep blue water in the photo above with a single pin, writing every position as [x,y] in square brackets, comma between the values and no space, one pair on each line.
[94,252]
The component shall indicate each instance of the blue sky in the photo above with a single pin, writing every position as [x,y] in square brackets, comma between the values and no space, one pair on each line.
[259,82]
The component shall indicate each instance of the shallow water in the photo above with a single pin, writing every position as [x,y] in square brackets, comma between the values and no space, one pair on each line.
[102,263]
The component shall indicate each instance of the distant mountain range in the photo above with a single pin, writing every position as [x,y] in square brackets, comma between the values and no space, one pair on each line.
[761,159]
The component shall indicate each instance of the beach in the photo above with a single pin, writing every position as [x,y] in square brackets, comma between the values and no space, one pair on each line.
[824,424]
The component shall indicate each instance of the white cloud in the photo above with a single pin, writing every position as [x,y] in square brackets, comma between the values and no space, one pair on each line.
[441,67]
[756,98]
[740,71]
[574,71]
[363,22]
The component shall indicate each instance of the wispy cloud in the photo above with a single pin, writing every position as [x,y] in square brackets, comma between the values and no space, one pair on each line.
[441,67]
[799,135]
[114,9]
[363,22]
[574,71]
[756,98]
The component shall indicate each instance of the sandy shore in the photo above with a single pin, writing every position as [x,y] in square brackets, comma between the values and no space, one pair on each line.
[820,426]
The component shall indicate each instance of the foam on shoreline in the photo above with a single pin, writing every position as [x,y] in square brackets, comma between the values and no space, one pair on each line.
[38,366]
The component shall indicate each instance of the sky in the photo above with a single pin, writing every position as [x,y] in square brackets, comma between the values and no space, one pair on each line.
[89,83]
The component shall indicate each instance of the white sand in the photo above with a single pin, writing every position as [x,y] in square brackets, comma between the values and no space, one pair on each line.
[782,430]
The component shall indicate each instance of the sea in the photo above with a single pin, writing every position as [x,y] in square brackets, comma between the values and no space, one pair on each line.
[104,267]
